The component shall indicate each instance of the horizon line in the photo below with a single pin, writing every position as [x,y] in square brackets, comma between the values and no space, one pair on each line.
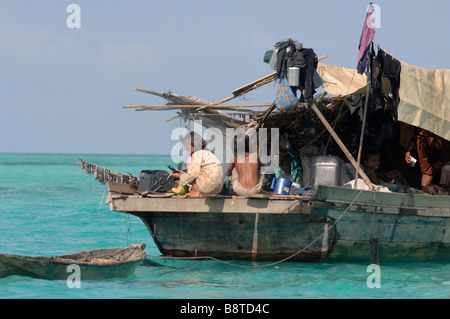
[46,153]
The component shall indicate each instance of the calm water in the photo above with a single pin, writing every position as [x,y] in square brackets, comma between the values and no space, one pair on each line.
[49,207]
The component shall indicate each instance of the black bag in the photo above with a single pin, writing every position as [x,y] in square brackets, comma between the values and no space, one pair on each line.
[267,184]
[155,181]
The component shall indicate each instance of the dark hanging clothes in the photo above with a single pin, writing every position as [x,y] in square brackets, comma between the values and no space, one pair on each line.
[362,64]
[296,59]
[306,75]
[377,78]
[283,56]
[392,69]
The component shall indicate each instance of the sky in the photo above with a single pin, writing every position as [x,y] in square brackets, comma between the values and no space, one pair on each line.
[62,89]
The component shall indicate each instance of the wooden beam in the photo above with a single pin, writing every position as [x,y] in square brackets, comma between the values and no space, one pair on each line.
[150,92]
[182,106]
[264,80]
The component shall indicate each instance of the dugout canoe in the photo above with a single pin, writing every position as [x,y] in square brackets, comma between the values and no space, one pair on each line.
[98,264]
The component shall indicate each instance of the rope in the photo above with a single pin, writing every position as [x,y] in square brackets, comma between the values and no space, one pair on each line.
[101,201]
[273,263]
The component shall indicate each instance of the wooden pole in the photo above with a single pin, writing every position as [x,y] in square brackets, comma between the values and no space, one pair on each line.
[186,106]
[361,136]
[341,145]
[150,92]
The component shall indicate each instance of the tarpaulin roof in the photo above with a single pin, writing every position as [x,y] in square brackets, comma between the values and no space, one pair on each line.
[425,99]
[424,93]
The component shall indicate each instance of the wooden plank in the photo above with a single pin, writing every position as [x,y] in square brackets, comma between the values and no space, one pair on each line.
[334,194]
[121,188]
[266,79]
[207,205]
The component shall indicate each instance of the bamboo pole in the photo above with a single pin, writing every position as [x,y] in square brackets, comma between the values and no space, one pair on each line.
[341,145]
[150,92]
[187,106]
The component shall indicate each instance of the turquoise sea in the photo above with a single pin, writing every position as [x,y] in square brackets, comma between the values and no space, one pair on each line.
[49,207]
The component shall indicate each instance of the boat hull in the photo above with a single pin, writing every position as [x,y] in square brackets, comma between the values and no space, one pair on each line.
[244,236]
[400,227]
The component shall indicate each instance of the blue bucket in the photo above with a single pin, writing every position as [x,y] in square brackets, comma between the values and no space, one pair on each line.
[281,186]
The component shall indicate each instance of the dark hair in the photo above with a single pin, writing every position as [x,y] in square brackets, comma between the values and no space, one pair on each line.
[437,156]
[369,152]
[245,139]
[195,140]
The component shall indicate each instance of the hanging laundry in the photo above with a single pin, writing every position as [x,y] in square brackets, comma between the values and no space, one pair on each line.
[104,175]
[367,35]
[392,69]
[307,74]
[377,78]
[290,53]
[284,49]
[309,78]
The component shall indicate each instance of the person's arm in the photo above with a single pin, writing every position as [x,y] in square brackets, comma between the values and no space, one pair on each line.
[230,168]
[372,176]
[261,164]
[391,174]
[194,169]
[411,146]
[176,175]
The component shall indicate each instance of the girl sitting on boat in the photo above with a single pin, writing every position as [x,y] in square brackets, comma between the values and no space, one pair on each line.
[205,172]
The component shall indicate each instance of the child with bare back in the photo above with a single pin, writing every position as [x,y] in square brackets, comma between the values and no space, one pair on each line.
[244,169]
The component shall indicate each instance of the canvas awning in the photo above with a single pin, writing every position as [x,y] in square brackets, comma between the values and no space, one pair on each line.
[343,81]
[424,93]
[425,99]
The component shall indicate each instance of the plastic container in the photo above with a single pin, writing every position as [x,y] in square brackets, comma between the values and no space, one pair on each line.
[327,170]
[293,76]
[281,186]
[268,55]
[273,59]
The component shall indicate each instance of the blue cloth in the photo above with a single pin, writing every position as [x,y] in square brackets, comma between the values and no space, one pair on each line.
[304,191]
[285,98]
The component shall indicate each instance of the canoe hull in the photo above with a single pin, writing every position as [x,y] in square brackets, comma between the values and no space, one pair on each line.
[91,267]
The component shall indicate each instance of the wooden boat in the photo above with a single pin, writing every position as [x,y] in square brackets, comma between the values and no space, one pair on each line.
[96,264]
[336,224]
